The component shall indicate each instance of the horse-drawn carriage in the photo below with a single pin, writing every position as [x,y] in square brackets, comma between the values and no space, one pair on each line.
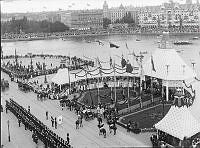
[4,84]
[88,114]
[24,86]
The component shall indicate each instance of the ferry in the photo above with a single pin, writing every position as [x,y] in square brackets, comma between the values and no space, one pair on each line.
[182,43]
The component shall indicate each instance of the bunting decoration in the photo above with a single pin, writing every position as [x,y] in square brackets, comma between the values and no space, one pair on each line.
[113,45]
[152,63]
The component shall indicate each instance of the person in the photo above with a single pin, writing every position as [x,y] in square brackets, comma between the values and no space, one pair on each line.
[19,121]
[29,108]
[47,115]
[99,120]
[52,121]
[128,126]
[55,123]
[114,129]
[67,138]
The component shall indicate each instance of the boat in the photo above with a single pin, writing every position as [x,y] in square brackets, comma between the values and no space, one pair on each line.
[182,43]
[195,38]
[137,39]
[144,52]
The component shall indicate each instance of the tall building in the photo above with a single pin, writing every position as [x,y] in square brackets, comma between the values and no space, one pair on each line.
[117,13]
[170,15]
[105,10]
[85,19]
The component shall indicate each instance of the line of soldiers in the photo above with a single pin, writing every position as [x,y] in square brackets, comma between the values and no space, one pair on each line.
[40,131]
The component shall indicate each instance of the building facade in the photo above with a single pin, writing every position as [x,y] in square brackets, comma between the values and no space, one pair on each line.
[85,19]
[117,13]
[170,15]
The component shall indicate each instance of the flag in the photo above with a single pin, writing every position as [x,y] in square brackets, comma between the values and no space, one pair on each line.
[129,68]
[113,45]
[127,48]
[152,63]
[123,62]
[110,62]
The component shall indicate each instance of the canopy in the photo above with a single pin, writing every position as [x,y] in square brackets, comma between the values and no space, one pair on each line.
[195,107]
[179,122]
[61,77]
[177,69]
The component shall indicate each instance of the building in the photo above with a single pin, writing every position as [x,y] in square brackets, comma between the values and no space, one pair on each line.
[85,19]
[117,13]
[170,14]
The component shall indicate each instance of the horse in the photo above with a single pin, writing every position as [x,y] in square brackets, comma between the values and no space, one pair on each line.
[102,130]
[112,126]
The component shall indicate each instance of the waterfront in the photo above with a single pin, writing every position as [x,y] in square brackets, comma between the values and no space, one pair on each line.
[79,46]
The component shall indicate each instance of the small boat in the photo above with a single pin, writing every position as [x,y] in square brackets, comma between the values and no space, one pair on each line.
[88,41]
[137,39]
[182,43]
[144,52]
[195,38]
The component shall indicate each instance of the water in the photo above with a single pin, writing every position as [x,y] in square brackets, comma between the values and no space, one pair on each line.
[79,47]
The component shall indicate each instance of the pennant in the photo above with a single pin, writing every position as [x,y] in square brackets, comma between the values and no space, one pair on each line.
[152,64]
[113,45]
[123,62]
[127,48]
[110,62]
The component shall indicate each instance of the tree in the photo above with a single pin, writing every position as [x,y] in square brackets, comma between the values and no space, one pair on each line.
[106,22]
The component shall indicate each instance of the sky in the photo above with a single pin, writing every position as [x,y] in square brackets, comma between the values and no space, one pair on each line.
[12,6]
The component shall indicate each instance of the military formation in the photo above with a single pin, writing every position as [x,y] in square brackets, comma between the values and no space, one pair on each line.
[40,131]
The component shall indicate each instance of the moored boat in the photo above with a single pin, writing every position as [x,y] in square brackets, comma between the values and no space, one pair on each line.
[182,42]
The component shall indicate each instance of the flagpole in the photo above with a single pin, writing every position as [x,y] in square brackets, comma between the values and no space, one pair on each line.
[151,80]
[98,83]
[115,85]
[69,74]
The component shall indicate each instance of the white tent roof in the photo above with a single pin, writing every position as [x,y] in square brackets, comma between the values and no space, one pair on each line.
[195,108]
[177,70]
[62,77]
[179,122]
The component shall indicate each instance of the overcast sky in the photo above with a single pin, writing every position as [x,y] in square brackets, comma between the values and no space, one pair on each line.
[10,6]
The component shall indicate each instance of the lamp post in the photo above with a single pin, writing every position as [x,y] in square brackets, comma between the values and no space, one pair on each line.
[8,130]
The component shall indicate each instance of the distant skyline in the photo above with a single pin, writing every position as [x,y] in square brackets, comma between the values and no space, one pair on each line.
[23,6]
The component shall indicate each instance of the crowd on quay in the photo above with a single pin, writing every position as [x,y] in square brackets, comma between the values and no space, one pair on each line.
[173,29]
[119,30]
[17,69]
[39,130]
[162,139]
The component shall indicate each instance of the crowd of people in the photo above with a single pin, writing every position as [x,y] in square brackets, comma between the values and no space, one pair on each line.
[163,140]
[122,30]
[39,130]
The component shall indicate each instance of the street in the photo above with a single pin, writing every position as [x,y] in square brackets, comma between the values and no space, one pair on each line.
[86,136]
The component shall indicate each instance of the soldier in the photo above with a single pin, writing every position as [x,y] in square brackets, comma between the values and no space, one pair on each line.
[29,108]
[68,139]
[19,121]
[52,121]
[55,123]
[46,115]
